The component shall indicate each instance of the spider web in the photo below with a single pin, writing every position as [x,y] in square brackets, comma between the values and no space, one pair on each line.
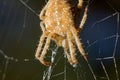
[19,36]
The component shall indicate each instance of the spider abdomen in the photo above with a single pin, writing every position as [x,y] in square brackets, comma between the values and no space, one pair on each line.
[58,17]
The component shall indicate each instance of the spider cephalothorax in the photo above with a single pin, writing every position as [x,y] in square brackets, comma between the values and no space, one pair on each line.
[59,19]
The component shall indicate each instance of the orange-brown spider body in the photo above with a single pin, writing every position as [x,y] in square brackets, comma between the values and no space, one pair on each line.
[59,20]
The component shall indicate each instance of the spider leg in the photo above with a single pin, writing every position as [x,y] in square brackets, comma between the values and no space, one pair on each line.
[42,38]
[65,46]
[42,26]
[84,18]
[80,4]
[78,42]
[44,52]
[71,48]
[42,13]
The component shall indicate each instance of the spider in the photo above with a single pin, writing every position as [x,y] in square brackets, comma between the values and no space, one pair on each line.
[59,19]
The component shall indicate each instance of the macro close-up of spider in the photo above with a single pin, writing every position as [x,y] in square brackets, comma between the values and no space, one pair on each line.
[59,39]
[59,22]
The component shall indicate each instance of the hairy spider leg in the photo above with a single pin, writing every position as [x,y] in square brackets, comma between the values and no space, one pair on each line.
[65,46]
[42,25]
[71,48]
[39,48]
[44,52]
[78,42]
[84,18]
[42,13]
[80,4]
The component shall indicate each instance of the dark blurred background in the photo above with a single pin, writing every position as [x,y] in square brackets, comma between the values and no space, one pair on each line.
[20,32]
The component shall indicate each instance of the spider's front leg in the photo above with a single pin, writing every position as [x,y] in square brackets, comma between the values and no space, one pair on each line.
[41,56]
[44,52]
[65,46]
[71,48]
[78,42]
[39,48]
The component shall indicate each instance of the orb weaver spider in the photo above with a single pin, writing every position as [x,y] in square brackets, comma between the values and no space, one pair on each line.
[59,19]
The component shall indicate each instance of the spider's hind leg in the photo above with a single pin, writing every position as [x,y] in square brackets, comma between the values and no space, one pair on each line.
[42,25]
[84,18]
[42,13]
[85,14]
[80,4]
